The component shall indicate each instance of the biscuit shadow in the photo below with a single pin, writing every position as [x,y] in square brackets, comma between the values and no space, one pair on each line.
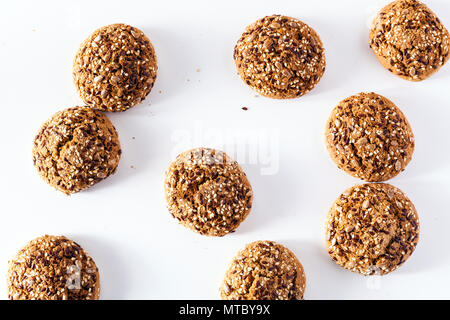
[422,111]
[136,136]
[324,278]
[269,204]
[114,280]
[443,74]
[430,199]
[172,66]
[347,58]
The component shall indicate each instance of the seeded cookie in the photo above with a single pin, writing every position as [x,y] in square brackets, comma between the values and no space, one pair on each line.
[369,137]
[115,68]
[372,229]
[53,268]
[264,270]
[280,57]
[208,192]
[75,149]
[409,40]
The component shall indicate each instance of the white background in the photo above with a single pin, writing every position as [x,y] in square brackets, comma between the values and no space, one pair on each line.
[141,251]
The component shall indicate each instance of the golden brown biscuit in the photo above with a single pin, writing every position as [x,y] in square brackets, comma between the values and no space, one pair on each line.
[372,229]
[75,149]
[280,57]
[53,268]
[409,40]
[208,192]
[264,270]
[115,68]
[368,137]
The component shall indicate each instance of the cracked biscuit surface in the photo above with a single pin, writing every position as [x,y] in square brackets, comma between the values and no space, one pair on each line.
[264,270]
[372,229]
[115,68]
[75,149]
[53,268]
[409,40]
[208,192]
[369,137]
[280,57]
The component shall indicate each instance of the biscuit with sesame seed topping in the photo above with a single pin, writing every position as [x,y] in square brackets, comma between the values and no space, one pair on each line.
[115,68]
[75,149]
[280,57]
[409,40]
[368,137]
[264,270]
[372,229]
[53,268]
[208,192]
